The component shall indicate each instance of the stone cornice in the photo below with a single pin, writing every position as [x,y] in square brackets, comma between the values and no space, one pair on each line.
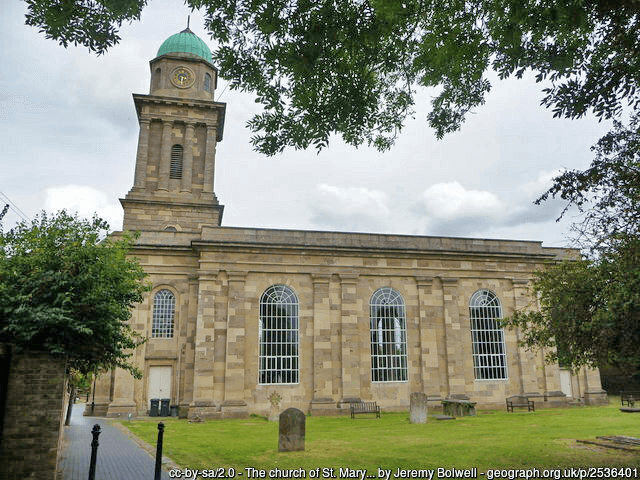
[381,252]
[221,107]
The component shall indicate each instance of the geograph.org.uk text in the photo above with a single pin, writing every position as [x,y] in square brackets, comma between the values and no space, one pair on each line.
[340,473]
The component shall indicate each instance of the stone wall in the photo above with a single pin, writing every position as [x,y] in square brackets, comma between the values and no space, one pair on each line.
[218,280]
[33,416]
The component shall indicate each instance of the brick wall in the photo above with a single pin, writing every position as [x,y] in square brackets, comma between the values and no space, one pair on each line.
[33,417]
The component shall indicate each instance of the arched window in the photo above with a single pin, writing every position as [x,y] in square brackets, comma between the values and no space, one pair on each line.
[487,336]
[207,82]
[164,305]
[388,336]
[278,333]
[175,170]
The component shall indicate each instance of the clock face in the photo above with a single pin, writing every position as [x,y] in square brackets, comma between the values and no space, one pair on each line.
[182,77]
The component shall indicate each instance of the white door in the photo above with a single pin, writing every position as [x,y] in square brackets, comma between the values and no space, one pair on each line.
[159,385]
[565,382]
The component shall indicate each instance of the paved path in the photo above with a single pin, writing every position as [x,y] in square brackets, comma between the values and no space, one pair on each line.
[119,456]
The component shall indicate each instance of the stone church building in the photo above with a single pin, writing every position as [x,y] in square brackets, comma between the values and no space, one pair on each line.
[241,317]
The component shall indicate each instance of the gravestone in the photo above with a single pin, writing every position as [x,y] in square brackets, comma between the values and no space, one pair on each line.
[418,408]
[292,430]
[274,413]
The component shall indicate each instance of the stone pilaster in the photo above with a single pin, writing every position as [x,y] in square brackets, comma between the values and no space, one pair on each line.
[553,395]
[453,338]
[322,402]
[431,377]
[186,358]
[526,362]
[593,392]
[351,341]
[221,304]
[234,404]
[100,396]
[123,402]
[165,156]
[187,164]
[142,156]
[210,159]
[203,403]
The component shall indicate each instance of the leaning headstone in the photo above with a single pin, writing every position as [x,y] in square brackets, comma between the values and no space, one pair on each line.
[292,430]
[418,408]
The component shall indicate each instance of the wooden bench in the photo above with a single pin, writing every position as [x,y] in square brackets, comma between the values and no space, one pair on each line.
[520,401]
[630,397]
[365,407]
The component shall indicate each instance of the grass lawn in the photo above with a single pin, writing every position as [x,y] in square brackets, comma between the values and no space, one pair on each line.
[490,440]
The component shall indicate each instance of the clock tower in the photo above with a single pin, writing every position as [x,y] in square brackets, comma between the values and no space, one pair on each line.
[180,126]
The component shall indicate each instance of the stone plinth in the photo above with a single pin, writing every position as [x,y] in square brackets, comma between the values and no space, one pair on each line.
[597,397]
[555,399]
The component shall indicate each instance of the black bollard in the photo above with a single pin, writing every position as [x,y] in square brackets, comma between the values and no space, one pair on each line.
[94,451]
[159,452]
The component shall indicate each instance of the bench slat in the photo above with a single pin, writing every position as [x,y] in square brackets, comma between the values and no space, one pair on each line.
[520,401]
[629,396]
[365,407]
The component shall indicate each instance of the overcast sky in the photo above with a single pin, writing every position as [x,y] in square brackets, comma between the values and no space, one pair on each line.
[68,137]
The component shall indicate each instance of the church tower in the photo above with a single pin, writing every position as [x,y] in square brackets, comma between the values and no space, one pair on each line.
[180,125]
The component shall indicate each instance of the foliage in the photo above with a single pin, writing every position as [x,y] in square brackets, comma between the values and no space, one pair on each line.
[67,292]
[80,381]
[496,439]
[351,67]
[93,24]
[590,308]
[607,193]
[589,311]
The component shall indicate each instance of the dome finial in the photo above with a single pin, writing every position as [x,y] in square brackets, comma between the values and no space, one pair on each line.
[188,30]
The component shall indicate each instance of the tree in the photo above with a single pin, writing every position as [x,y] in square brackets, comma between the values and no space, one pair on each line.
[608,193]
[66,290]
[589,311]
[351,67]
[589,308]
[77,382]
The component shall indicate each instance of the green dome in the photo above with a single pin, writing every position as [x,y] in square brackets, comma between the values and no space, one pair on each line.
[185,42]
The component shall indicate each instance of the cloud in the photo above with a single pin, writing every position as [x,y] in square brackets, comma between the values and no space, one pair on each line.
[350,208]
[541,184]
[452,201]
[13,105]
[450,209]
[85,201]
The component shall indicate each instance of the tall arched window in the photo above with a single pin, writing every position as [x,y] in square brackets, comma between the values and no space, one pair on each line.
[487,336]
[164,305]
[388,336]
[175,170]
[207,82]
[278,331]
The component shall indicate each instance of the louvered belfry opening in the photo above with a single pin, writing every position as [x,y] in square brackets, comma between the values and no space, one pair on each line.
[176,162]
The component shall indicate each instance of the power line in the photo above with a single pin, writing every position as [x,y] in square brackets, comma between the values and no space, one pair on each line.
[223,90]
[14,207]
